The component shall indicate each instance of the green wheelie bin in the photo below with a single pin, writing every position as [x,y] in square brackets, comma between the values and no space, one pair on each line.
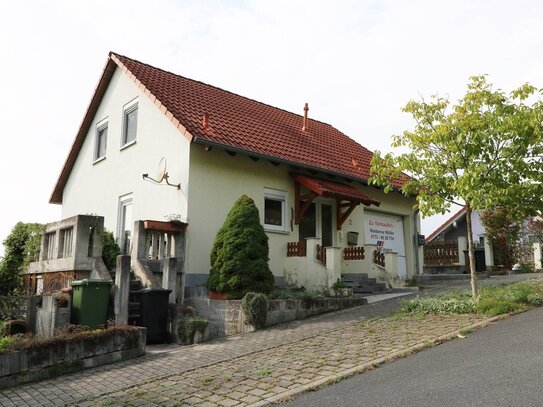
[90,302]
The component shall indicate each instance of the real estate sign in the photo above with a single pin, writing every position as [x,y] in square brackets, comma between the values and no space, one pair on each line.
[386,232]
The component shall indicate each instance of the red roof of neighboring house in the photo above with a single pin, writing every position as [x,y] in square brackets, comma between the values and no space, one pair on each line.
[334,189]
[235,122]
[445,225]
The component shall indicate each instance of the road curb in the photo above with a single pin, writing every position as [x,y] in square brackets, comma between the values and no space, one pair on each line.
[375,362]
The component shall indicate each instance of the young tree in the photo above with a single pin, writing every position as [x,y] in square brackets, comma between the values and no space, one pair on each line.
[483,152]
[21,247]
[240,254]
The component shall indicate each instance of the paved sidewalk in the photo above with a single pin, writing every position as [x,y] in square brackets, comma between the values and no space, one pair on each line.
[173,359]
[243,369]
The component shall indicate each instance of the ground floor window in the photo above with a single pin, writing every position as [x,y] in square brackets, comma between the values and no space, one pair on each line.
[275,209]
[125,223]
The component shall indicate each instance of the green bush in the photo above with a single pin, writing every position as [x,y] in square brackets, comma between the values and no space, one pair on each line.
[188,326]
[497,300]
[339,284]
[493,300]
[110,250]
[451,303]
[21,247]
[255,307]
[9,342]
[240,254]
[525,268]
[314,297]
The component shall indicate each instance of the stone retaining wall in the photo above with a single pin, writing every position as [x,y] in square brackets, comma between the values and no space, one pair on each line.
[28,365]
[226,317]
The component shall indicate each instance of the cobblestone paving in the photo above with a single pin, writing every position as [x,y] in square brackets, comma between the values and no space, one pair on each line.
[250,367]
[109,378]
[254,378]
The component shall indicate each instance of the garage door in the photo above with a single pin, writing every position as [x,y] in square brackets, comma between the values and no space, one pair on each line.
[386,230]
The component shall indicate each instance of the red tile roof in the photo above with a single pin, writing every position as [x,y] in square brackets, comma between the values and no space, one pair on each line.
[445,225]
[334,189]
[235,122]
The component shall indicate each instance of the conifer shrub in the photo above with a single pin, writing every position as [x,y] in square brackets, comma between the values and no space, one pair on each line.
[240,254]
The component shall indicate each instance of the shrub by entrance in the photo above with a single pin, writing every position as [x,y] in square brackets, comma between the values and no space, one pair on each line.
[240,254]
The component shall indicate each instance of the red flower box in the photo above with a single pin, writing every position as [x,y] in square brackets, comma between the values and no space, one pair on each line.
[216,295]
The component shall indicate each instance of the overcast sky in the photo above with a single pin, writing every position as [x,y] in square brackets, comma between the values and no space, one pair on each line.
[356,63]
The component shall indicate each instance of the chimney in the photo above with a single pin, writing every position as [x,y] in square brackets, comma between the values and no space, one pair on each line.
[306,109]
[205,121]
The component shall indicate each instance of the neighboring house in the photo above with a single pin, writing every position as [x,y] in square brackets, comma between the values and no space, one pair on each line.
[307,178]
[445,248]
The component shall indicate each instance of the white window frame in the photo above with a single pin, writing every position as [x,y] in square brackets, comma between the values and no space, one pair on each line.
[103,125]
[281,196]
[124,202]
[127,109]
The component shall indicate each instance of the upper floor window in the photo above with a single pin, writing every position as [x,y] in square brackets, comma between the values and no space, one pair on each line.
[100,143]
[130,123]
[275,218]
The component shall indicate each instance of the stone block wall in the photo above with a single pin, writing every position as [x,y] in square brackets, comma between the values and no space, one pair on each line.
[226,317]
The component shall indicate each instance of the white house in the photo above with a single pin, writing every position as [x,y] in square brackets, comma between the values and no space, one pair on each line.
[308,180]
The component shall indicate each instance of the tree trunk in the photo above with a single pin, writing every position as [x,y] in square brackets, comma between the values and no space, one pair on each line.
[471,256]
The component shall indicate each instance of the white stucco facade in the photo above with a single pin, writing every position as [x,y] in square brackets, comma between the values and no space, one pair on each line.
[96,187]
[217,180]
[211,181]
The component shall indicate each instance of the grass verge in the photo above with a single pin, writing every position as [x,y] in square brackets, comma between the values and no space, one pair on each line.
[493,300]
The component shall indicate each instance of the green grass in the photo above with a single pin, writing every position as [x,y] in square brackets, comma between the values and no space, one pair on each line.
[493,300]
[496,300]
[443,304]
[263,373]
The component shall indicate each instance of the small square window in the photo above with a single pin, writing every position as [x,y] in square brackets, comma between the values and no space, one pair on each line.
[275,210]
[101,142]
[130,124]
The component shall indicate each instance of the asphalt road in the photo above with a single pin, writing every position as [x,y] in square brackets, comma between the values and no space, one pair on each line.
[501,365]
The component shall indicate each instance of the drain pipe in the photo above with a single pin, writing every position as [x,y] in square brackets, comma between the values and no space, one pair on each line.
[417,260]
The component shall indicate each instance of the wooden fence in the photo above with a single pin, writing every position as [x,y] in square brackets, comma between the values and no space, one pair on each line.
[296,249]
[353,253]
[379,258]
[441,253]
[321,254]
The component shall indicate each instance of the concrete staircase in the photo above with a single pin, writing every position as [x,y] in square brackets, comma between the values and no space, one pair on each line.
[133,300]
[362,284]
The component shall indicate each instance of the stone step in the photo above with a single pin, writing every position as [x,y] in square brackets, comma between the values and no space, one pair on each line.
[377,288]
[135,285]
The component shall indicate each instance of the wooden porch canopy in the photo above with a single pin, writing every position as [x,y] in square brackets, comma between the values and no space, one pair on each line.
[347,198]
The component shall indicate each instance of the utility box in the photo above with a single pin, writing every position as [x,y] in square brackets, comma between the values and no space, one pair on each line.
[421,239]
[90,302]
[154,313]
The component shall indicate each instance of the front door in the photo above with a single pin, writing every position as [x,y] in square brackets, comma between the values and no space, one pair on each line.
[318,221]
[327,231]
